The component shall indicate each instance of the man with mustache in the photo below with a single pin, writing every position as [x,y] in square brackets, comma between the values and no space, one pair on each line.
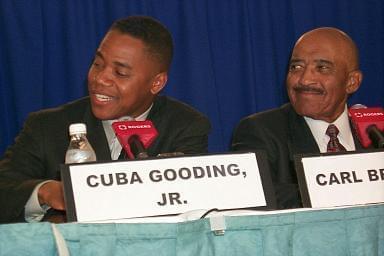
[323,72]
[129,70]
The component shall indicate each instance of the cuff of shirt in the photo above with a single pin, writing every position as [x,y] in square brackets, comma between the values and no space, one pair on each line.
[34,212]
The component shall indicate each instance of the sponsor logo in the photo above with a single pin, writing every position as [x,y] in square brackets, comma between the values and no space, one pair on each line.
[359,114]
[126,127]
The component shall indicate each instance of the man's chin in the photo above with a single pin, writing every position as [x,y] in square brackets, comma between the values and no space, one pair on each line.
[102,115]
[305,111]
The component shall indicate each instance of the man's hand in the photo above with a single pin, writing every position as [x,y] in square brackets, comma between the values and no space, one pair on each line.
[51,194]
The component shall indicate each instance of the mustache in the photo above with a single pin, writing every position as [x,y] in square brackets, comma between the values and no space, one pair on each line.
[307,88]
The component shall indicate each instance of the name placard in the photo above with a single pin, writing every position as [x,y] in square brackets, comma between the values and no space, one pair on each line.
[127,189]
[340,180]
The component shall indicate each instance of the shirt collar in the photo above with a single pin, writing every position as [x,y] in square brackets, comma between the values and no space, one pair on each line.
[319,127]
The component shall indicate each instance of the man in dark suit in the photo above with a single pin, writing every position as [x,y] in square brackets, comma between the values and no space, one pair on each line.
[129,70]
[323,72]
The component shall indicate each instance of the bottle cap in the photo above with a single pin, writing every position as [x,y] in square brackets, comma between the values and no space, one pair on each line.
[78,128]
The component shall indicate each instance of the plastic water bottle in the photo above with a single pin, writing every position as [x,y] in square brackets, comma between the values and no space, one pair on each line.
[79,149]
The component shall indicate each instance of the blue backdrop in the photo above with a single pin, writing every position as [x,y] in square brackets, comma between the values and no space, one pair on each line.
[230,55]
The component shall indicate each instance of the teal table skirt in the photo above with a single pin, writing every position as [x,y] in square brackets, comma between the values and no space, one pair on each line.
[348,231]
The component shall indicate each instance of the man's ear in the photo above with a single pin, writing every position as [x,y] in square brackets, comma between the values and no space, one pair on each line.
[159,82]
[354,80]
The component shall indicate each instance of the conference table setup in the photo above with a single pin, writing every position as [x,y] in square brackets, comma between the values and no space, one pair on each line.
[355,230]
[192,128]
[213,204]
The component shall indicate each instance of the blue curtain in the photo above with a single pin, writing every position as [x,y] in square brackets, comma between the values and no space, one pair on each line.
[230,55]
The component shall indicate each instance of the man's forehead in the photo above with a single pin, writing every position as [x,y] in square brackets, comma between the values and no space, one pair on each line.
[323,41]
[317,61]
[314,53]
[318,49]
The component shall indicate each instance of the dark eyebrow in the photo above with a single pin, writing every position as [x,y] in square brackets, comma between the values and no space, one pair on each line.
[122,65]
[98,54]
[295,60]
[116,63]
[321,61]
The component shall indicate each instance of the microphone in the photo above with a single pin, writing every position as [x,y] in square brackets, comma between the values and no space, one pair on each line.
[368,124]
[137,147]
[135,136]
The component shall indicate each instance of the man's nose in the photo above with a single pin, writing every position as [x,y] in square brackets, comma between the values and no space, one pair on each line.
[103,77]
[307,76]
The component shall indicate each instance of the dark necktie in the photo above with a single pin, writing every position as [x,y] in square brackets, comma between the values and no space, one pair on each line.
[123,154]
[334,144]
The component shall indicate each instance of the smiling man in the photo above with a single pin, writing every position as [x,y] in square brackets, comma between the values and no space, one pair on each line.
[129,70]
[323,72]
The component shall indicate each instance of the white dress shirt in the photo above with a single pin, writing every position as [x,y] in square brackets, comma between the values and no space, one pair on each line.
[319,127]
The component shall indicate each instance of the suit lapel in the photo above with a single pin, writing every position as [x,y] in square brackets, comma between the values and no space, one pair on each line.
[96,135]
[356,140]
[301,138]
[156,118]
[153,113]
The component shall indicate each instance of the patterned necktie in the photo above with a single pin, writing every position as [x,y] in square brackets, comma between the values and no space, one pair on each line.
[334,144]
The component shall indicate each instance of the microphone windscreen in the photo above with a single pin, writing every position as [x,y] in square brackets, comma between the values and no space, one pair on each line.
[144,130]
[363,117]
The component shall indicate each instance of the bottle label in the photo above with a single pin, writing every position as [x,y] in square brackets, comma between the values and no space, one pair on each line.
[79,156]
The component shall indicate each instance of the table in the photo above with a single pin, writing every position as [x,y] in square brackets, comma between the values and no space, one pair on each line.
[346,231]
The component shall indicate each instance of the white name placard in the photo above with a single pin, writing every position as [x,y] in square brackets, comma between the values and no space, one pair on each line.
[126,189]
[341,180]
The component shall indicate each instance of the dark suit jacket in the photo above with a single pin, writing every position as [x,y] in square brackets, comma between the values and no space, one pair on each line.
[40,147]
[281,133]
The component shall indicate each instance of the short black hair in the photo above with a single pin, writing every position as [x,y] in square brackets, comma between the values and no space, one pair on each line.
[153,34]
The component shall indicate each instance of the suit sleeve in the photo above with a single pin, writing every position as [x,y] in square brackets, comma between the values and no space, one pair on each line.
[248,136]
[21,170]
[253,135]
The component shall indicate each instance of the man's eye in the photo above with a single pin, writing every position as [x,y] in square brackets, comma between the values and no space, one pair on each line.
[122,74]
[294,67]
[323,68]
[97,64]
